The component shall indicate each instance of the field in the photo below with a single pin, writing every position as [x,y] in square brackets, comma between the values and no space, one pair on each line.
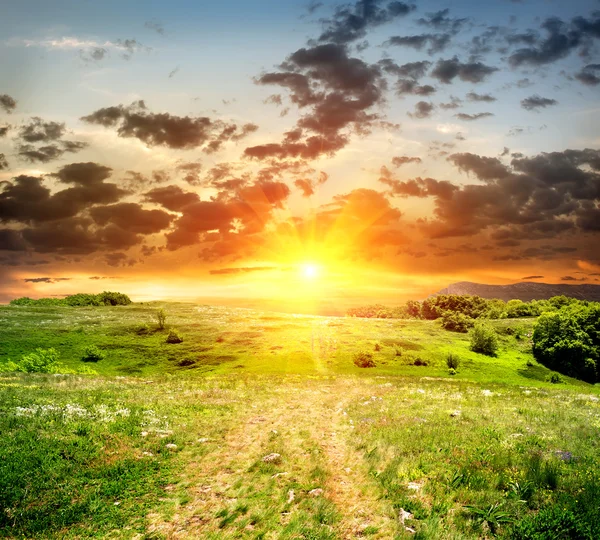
[259,425]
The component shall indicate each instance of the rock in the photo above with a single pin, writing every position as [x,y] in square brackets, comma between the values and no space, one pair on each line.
[455,414]
[277,475]
[171,446]
[144,433]
[414,485]
[403,515]
[203,440]
[317,492]
[272,458]
[291,496]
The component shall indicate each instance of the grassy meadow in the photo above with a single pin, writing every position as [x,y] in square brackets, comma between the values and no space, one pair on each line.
[259,425]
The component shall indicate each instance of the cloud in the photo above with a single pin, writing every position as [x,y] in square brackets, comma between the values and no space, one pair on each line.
[7,103]
[486,98]
[39,131]
[337,92]
[447,70]
[3,162]
[46,280]
[93,54]
[164,129]
[398,161]
[132,217]
[422,110]
[472,117]
[351,22]
[408,86]
[441,20]
[561,39]
[173,72]
[418,187]
[436,42]
[454,103]
[484,168]
[532,277]
[243,270]
[171,197]
[588,75]
[411,70]
[571,278]
[533,103]
[155,26]
[45,154]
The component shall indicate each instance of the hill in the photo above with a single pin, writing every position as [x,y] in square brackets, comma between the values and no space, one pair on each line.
[525,291]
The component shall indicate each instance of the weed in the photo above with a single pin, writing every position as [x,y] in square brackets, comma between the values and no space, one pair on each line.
[364,359]
[92,354]
[161,318]
[174,337]
[452,361]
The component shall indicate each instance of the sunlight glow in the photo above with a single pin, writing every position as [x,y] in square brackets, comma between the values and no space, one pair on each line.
[310,271]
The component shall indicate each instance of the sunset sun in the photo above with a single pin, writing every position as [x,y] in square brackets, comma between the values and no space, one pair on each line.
[310,271]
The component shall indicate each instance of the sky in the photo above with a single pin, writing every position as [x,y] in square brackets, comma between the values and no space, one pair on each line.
[297,154]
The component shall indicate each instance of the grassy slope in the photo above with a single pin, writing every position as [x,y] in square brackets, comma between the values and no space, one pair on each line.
[88,456]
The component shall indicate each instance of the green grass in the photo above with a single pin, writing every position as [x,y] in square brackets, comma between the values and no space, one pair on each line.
[467,455]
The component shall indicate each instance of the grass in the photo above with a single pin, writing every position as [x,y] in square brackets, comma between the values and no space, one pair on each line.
[168,440]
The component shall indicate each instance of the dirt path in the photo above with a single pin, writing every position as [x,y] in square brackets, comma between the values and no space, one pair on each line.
[305,422]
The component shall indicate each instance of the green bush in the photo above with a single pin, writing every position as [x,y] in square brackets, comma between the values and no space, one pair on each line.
[142,329]
[174,337]
[39,361]
[484,339]
[92,354]
[452,371]
[456,322]
[568,341]
[452,361]
[161,318]
[554,523]
[554,378]
[364,359]
[105,298]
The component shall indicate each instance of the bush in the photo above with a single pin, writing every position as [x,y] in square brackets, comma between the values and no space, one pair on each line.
[554,378]
[142,329]
[484,339]
[452,361]
[452,371]
[105,298]
[92,354]
[364,359]
[174,337]
[554,522]
[456,322]
[39,361]
[161,317]
[568,341]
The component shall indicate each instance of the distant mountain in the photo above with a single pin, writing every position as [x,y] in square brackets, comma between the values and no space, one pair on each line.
[525,290]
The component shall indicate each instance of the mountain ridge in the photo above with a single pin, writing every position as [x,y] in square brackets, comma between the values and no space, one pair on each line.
[525,290]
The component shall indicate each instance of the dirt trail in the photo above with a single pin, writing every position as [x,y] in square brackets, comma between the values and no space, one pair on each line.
[316,408]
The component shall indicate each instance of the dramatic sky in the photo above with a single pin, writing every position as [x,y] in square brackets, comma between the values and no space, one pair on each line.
[299,152]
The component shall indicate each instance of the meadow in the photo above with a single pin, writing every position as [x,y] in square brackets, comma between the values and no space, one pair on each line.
[260,425]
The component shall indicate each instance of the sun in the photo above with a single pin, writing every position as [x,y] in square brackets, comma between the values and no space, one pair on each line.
[310,271]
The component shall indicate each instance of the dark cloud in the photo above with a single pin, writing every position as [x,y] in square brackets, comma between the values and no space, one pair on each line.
[313,6]
[7,103]
[398,161]
[336,90]
[422,110]
[4,130]
[589,75]
[532,277]
[571,278]
[538,197]
[351,22]
[307,185]
[171,197]
[454,103]
[46,280]
[486,98]
[472,117]
[25,199]
[50,152]
[409,86]
[130,47]
[537,102]
[118,259]
[93,54]
[561,38]
[11,240]
[435,42]
[418,187]
[132,217]
[39,131]
[475,72]
[164,129]
[3,162]
[411,70]
[173,72]
[440,20]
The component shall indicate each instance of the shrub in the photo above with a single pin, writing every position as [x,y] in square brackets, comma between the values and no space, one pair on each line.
[554,522]
[484,339]
[92,354]
[161,317]
[452,371]
[554,378]
[568,341]
[420,362]
[456,322]
[39,361]
[377,347]
[452,361]
[364,359]
[110,298]
[174,337]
